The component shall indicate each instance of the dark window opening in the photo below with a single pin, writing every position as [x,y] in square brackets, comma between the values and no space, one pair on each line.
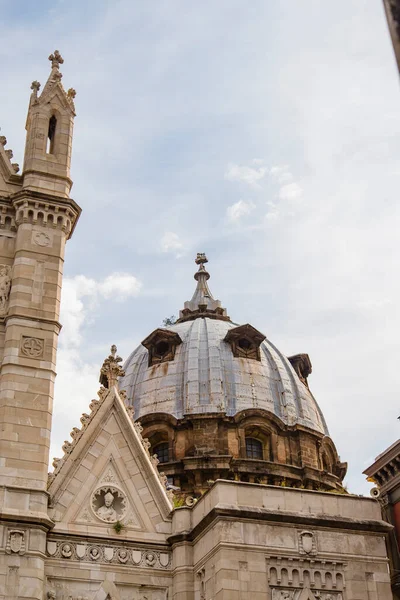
[254,448]
[161,348]
[162,451]
[245,344]
[51,135]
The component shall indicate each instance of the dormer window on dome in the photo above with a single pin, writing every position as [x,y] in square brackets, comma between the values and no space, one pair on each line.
[161,344]
[301,363]
[245,341]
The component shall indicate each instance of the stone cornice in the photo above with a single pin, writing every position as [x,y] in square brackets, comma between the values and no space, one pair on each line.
[57,212]
[245,513]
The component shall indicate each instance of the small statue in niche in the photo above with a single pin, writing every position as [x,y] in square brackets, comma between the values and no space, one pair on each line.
[107,512]
[5,286]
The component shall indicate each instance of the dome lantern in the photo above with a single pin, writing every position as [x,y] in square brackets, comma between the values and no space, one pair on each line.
[202,303]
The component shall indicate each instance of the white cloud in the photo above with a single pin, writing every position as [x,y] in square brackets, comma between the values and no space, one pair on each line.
[78,380]
[80,295]
[281,173]
[251,175]
[170,242]
[119,286]
[290,191]
[240,209]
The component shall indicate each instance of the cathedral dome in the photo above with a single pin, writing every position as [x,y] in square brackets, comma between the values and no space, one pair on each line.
[219,400]
[206,377]
[217,366]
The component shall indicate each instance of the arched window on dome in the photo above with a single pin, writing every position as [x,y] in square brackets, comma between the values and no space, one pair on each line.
[162,451]
[254,448]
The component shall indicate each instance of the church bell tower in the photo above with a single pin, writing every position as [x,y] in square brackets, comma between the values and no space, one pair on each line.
[37,217]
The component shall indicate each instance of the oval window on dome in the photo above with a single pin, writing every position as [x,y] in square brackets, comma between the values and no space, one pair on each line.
[254,448]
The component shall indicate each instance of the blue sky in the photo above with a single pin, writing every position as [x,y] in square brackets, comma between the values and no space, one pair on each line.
[262,133]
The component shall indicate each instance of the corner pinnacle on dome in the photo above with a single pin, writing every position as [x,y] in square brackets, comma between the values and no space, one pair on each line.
[202,303]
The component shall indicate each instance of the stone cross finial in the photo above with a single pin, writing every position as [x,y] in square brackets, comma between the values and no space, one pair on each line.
[35,86]
[111,369]
[56,60]
[201,258]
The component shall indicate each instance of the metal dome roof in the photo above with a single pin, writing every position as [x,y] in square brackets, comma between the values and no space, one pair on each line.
[204,376]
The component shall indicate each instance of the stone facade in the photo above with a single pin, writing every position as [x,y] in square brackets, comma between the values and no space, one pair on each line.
[392,9]
[385,473]
[105,524]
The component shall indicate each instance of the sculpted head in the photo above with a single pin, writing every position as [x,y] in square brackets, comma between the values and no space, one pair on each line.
[108,499]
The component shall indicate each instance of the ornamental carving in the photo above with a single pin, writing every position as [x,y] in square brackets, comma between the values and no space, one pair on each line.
[32,347]
[109,504]
[114,554]
[307,543]
[53,216]
[15,541]
[324,580]
[5,287]
[305,594]
[40,238]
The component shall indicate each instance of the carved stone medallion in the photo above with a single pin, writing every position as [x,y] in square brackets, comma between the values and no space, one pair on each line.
[32,347]
[40,238]
[109,504]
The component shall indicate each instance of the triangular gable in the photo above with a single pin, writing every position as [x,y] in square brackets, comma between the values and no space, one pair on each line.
[109,457]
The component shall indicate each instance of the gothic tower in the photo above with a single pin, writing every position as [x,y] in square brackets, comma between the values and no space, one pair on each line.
[37,217]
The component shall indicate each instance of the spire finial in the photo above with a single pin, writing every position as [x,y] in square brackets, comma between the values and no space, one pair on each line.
[56,60]
[111,369]
[202,303]
[201,259]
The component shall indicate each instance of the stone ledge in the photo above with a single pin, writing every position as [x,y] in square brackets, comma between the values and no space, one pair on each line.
[221,511]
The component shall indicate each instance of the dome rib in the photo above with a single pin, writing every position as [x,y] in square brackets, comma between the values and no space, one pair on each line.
[205,377]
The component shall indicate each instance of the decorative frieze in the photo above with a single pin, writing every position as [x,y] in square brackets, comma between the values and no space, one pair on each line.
[45,214]
[321,576]
[102,553]
[279,594]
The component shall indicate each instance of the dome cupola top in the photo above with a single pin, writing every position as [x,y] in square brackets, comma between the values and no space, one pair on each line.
[202,303]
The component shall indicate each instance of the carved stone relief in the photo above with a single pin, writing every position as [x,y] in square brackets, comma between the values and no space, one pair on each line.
[5,287]
[289,577]
[32,347]
[16,541]
[40,238]
[307,594]
[109,504]
[101,553]
[307,543]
